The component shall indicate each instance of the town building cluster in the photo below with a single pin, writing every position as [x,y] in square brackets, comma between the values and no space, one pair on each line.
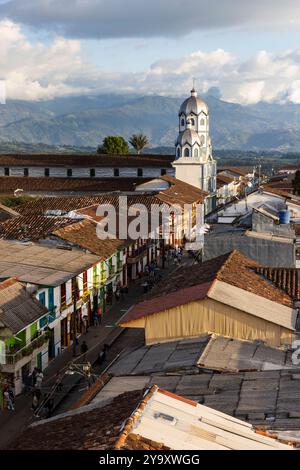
[218,368]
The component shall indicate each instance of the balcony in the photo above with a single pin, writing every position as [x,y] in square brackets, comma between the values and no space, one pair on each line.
[12,358]
[136,255]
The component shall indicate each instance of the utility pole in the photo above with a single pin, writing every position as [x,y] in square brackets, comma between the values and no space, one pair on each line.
[74,317]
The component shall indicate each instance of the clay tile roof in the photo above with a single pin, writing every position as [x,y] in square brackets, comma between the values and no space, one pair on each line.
[30,227]
[137,442]
[241,171]
[194,282]
[286,279]
[86,160]
[18,309]
[181,193]
[43,205]
[37,184]
[96,428]
[224,179]
[84,235]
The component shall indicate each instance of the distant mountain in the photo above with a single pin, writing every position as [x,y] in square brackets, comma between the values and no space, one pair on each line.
[84,121]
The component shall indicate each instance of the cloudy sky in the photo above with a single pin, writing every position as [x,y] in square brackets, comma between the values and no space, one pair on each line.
[249,50]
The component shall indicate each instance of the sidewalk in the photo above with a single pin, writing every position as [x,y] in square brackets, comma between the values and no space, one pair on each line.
[12,423]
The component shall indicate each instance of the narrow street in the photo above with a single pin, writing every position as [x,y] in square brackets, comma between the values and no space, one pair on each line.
[12,423]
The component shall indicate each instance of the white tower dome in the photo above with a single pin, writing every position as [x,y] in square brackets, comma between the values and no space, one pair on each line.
[193,105]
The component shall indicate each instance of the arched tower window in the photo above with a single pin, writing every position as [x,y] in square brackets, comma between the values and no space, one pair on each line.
[182,122]
[202,122]
[192,121]
[178,152]
[196,152]
[202,140]
[187,152]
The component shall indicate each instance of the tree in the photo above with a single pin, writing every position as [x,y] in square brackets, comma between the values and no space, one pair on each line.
[139,142]
[296,184]
[114,145]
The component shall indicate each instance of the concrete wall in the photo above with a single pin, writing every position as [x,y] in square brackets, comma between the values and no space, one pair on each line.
[267,252]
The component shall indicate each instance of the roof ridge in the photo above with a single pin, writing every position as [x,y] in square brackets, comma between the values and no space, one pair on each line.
[227,260]
[135,416]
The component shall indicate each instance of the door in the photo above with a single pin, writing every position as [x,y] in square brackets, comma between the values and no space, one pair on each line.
[39,361]
[51,347]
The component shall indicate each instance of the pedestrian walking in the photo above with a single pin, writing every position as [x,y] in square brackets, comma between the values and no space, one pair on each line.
[99,314]
[85,324]
[39,379]
[8,400]
[84,349]
[58,382]
[35,401]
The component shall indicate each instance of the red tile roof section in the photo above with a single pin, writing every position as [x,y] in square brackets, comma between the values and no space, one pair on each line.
[193,283]
[166,302]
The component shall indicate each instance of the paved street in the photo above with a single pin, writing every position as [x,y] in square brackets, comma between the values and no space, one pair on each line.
[12,423]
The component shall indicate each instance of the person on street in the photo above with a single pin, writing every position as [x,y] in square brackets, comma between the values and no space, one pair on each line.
[9,403]
[39,379]
[35,401]
[58,382]
[85,324]
[84,349]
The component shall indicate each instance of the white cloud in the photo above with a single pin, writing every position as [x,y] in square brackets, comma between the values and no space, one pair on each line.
[155,18]
[39,70]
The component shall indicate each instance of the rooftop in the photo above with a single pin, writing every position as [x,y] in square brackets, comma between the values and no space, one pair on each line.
[41,265]
[211,352]
[31,227]
[42,184]
[154,419]
[84,235]
[86,160]
[18,309]
[64,205]
[195,282]
[181,193]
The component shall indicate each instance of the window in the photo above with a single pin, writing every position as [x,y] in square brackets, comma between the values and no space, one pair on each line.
[187,152]
[178,152]
[182,122]
[42,298]
[63,295]
[92,172]
[69,173]
[140,172]
[202,122]
[163,172]
[193,121]
[196,152]
[47,172]
[116,172]
[202,140]
[85,281]
[6,171]
[26,172]
[297,326]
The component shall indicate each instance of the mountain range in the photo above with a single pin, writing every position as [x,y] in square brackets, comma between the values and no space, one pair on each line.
[84,121]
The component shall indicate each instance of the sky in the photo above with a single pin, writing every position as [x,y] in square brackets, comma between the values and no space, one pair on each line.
[250,51]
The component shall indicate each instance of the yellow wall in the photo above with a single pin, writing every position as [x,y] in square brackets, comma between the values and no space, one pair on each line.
[210,316]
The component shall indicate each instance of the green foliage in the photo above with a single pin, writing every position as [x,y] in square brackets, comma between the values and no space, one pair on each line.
[139,142]
[114,145]
[296,184]
[12,201]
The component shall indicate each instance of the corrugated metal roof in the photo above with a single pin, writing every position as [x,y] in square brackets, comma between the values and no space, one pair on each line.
[42,265]
[18,309]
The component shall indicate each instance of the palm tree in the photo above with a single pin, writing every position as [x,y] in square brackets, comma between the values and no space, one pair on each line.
[139,142]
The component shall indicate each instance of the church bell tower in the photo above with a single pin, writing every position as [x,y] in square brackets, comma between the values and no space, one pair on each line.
[194,163]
